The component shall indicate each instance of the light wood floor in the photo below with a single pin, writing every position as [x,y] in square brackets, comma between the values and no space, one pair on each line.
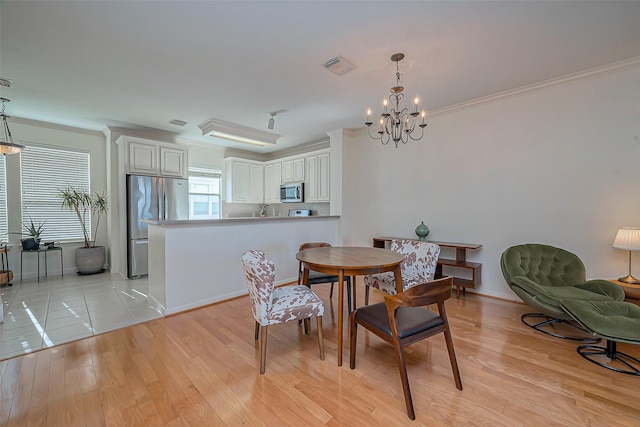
[200,368]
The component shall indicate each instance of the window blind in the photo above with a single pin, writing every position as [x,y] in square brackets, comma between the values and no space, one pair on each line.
[43,173]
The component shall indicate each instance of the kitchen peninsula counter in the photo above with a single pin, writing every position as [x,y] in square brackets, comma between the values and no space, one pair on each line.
[197,262]
[241,219]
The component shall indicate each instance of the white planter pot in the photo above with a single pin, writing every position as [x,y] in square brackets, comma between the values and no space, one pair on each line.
[90,260]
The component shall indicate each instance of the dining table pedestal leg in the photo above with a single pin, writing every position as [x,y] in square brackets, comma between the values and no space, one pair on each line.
[340,314]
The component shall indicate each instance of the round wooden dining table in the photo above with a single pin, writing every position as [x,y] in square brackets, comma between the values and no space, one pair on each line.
[349,261]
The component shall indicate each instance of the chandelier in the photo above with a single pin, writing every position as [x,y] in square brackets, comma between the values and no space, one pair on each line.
[397,124]
[7,146]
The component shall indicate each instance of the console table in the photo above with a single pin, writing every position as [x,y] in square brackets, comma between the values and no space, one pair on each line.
[459,262]
[46,252]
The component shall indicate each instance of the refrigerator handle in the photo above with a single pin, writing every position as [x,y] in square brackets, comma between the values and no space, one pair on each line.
[161,197]
[165,208]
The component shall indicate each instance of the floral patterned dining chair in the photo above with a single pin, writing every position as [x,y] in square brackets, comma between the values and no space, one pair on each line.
[419,266]
[271,305]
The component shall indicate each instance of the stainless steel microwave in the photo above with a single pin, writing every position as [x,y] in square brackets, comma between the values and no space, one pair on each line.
[292,192]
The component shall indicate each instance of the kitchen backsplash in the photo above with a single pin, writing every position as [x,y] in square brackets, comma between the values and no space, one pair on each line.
[238,210]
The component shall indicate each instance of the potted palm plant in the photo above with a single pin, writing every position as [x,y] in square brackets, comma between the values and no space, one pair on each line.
[90,258]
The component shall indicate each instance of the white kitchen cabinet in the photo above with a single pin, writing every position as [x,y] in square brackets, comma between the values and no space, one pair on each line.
[173,162]
[244,181]
[148,157]
[317,180]
[239,182]
[293,170]
[252,181]
[256,180]
[272,181]
[143,158]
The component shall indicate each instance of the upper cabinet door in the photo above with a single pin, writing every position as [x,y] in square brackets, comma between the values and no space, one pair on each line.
[287,171]
[298,170]
[272,181]
[323,177]
[143,158]
[293,170]
[256,180]
[240,182]
[317,180]
[173,162]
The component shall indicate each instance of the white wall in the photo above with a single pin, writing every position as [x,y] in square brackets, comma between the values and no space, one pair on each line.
[558,165]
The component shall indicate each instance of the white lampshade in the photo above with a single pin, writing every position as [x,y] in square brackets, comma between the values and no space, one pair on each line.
[628,239]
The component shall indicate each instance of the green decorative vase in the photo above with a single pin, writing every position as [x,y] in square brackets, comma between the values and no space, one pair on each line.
[422,231]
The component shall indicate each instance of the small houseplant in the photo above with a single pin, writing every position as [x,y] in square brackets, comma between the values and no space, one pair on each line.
[89,258]
[34,231]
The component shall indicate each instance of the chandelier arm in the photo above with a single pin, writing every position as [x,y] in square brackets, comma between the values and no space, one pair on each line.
[380,137]
[421,134]
[371,136]
[404,137]
[385,141]
[410,124]
[388,127]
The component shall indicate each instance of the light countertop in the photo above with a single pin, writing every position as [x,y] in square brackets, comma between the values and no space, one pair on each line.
[239,220]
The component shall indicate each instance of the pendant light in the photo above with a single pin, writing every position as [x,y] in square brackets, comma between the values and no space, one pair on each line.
[397,123]
[7,146]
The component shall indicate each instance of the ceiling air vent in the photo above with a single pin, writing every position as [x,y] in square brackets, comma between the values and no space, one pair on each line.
[5,82]
[338,65]
[177,122]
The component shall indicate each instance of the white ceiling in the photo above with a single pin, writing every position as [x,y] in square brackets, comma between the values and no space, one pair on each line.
[140,64]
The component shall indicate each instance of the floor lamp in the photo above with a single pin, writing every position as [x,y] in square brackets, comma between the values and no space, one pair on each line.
[628,239]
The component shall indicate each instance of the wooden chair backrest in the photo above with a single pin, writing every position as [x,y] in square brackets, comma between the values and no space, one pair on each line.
[310,245]
[433,292]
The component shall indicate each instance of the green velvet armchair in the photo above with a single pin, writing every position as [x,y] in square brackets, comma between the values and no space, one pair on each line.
[542,276]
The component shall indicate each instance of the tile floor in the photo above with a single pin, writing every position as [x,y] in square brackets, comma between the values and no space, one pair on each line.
[62,309]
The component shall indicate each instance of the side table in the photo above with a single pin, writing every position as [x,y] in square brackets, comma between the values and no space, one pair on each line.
[6,275]
[631,291]
[46,251]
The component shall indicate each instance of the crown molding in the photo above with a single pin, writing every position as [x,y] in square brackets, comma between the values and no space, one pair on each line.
[615,67]
[49,125]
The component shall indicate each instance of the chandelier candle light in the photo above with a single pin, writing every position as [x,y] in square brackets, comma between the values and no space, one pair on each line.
[397,124]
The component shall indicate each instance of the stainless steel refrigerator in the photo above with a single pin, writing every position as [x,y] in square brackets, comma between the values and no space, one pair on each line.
[154,198]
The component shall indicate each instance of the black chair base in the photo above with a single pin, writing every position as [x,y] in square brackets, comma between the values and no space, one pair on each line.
[548,320]
[590,352]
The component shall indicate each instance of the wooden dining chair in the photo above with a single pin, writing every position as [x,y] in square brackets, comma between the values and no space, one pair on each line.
[271,305]
[318,278]
[402,320]
[419,266]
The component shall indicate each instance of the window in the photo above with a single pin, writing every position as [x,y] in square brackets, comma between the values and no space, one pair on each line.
[204,193]
[43,172]
[4,232]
